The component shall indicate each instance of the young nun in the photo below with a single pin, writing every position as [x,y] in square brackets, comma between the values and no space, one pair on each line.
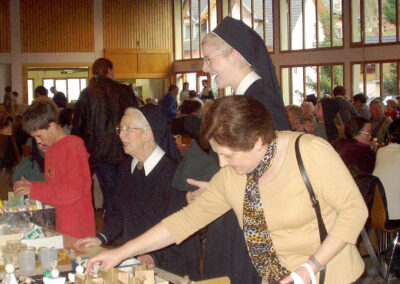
[237,56]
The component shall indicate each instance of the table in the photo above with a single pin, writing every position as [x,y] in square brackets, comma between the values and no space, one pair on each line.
[91,251]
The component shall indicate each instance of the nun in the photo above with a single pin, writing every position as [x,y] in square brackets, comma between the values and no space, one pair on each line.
[143,191]
[236,56]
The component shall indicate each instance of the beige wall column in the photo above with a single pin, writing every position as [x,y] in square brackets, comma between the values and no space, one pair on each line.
[98,29]
[16,63]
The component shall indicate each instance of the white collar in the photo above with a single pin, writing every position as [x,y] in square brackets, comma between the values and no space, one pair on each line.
[151,161]
[246,82]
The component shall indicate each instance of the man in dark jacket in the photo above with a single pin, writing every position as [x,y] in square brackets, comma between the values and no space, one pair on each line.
[59,98]
[346,109]
[97,114]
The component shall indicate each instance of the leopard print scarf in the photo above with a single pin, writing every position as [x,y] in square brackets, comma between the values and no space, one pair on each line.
[258,238]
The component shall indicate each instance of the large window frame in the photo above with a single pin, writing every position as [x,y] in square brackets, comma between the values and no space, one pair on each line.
[188,35]
[360,24]
[252,20]
[287,83]
[286,29]
[66,83]
[363,66]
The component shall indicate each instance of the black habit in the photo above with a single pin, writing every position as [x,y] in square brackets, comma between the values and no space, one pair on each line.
[143,201]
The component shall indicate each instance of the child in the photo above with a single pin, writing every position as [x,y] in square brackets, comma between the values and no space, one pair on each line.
[67,184]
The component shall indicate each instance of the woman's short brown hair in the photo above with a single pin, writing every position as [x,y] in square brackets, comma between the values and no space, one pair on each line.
[237,122]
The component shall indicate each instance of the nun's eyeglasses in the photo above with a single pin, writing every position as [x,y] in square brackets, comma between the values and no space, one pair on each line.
[119,130]
[208,60]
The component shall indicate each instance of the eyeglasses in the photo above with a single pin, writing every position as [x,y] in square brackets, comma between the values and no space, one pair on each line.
[365,132]
[208,60]
[119,130]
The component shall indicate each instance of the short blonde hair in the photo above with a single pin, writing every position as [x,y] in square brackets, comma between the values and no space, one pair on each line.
[307,106]
[296,111]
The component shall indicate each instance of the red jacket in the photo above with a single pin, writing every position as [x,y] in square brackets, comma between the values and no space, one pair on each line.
[68,187]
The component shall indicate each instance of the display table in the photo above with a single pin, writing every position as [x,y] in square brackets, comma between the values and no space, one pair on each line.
[91,251]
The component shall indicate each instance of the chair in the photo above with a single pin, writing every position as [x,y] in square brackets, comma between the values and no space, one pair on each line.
[383,227]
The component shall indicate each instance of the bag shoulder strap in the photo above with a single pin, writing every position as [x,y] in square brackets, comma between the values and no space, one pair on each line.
[314,200]
[315,203]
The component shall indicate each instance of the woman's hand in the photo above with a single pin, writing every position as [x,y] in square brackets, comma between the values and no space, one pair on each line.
[303,274]
[87,242]
[192,195]
[106,259]
[146,259]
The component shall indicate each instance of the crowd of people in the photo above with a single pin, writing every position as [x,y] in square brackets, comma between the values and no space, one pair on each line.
[240,177]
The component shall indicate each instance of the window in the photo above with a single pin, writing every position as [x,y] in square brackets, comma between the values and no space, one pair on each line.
[48,83]
[30,91]
[300,81]
[310,24]
[376,79]
[197,18]
[374,21]
[257,14]
[71,87]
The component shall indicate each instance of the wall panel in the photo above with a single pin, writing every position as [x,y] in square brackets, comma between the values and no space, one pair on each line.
[140,63]
[57,25]
[141,24]
[5,38]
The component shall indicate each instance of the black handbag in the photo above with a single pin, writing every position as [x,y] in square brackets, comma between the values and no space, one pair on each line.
[321,226]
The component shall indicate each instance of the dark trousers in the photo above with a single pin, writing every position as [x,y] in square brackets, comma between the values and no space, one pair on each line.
[106,175]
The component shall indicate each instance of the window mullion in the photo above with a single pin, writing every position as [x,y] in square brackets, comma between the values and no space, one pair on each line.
[318,90]
[380,79]
[304,80]
[290,85]
[364,78]
[289,27]
[252,13]
[191,28]
[241,9]
[264,27]
[331,21]
[316,26]
[199,23]
[380,20]
[362,20]
[304,23]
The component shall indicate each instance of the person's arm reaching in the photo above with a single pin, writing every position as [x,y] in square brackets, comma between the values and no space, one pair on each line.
[155,238]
